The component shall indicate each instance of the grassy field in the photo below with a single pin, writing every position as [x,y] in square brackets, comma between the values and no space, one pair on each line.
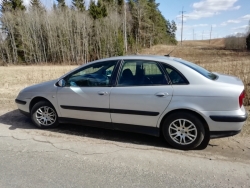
[15,78]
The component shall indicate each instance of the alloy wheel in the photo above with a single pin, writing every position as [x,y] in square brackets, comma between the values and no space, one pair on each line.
[46,116]
[182,131]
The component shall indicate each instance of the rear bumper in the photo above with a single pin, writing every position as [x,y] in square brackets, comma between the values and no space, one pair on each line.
[222,134]
[225,120]
[230,118]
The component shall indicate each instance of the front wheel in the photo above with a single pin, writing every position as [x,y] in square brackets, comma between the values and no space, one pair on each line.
[44,115]
[183,130]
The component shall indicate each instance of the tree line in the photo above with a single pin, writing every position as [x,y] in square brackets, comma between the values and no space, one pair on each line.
[240,41]
[76,34]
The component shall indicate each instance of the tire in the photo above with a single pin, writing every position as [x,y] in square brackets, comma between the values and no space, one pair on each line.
[44,115]
[183,130]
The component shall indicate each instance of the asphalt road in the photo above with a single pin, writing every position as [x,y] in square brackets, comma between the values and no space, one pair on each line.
[73,156]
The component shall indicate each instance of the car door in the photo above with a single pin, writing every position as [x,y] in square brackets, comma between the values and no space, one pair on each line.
[141,95]
[86,93]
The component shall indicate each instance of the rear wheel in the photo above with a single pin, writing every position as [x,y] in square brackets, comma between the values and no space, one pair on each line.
[183,130]
[44,115]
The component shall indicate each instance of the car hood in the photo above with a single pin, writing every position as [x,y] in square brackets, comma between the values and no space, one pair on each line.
[42,87]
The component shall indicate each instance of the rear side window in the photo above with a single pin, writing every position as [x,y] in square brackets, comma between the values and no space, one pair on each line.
[175,76]
[141,73]
[198,69]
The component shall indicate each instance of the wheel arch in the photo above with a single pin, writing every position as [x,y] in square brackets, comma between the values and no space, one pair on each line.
[204,122]
[36,100]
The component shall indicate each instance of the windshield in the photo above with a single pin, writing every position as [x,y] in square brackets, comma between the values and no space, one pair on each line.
[198,69]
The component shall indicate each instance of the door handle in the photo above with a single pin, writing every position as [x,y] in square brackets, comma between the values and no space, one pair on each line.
[161,94]
[102,93]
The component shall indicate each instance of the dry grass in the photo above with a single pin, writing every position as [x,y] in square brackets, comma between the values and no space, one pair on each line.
[214,43]
[15,78]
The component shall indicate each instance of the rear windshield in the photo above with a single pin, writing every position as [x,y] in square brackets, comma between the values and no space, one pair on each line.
[198,69]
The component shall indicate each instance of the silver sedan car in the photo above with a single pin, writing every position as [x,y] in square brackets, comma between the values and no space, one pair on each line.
[153,95]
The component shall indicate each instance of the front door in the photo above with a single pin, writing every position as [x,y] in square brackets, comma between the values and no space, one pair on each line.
[86,93]
[141,95]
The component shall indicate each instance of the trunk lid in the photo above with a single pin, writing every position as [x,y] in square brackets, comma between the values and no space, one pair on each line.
[223,78]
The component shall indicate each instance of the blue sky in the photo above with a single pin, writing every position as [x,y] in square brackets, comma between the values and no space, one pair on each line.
[226,17]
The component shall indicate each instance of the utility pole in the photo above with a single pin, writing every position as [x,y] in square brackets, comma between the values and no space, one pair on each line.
[182,16]
[202,34]
[211,33]
[125,28]
[193,34]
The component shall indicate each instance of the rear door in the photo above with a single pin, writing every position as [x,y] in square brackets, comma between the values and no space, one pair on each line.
[141,95]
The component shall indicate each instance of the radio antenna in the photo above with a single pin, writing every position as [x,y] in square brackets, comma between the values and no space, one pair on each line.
[168,55]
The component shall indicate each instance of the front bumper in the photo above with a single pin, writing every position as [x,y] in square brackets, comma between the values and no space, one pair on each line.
[23,106]
[20,102]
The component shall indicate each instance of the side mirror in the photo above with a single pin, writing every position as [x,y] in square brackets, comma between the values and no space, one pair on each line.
[61,83]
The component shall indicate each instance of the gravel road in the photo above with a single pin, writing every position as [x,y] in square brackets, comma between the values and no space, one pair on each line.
[79,156]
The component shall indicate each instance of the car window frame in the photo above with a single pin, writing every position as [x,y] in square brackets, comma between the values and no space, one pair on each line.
[119,72]
[92,64]
[171,67]
[199,69]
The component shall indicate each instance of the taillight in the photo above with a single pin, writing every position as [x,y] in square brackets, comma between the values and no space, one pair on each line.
[241,98]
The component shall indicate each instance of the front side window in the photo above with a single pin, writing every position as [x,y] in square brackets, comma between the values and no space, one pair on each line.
[141,73]
[96,75]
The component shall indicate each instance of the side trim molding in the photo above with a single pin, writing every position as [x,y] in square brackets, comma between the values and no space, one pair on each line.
[115,111]
[105,110]
[134,112]
[20,102]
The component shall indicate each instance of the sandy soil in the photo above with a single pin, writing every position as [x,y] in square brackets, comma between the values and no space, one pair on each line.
[13,79]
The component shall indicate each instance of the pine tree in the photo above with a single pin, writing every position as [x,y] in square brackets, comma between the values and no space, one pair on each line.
[173,28]
[12,5]
[97,11]
[36,4]
[17,5]
[120,4]
[248,42]
[6,6]
[61,4]
[79,5]
[54,6]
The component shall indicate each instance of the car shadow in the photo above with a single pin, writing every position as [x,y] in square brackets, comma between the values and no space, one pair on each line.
[16,120]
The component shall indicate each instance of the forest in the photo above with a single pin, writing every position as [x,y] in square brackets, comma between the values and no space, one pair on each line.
[78,33]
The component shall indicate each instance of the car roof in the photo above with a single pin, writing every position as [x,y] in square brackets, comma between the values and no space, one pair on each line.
[163,59]
[143,57]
